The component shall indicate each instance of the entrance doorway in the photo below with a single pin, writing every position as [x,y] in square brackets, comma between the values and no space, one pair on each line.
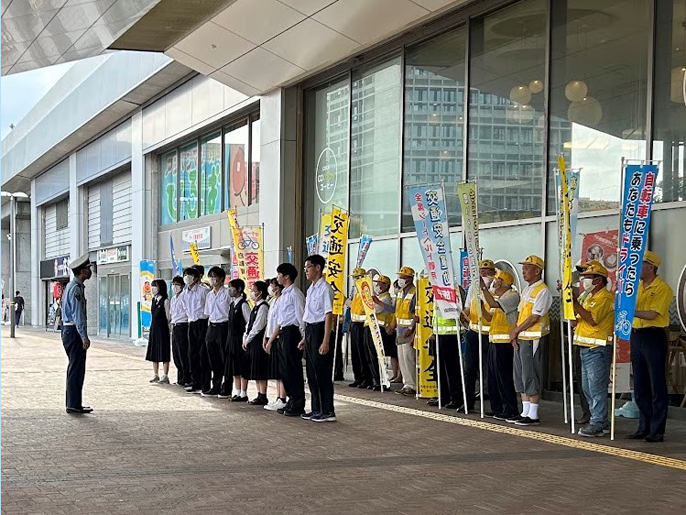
[114,307]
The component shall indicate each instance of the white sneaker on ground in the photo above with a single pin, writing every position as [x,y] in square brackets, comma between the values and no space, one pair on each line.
[275,405]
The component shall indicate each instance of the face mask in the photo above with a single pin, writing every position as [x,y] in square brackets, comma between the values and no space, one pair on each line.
[188,280]
[587,284]
[232,291]
[272,291]
[488,280]
[155,290]
[178,288]
[377,289]
[402,283]
[253,296]
[495,284]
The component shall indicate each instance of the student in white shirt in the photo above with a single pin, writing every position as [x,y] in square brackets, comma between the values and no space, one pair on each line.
[274,291]
[179,323]
[236,357]
[258,362]
[217,311]
[194,300]
[319,354]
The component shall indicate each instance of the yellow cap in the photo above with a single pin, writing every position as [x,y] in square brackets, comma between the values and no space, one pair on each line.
[506,277]
[592,267]
[406,270]
[652,258]
[533,260]
[382,279]
[359,272]
[487,263]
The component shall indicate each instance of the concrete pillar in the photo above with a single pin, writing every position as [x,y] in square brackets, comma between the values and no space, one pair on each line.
[37,293]
[141,246]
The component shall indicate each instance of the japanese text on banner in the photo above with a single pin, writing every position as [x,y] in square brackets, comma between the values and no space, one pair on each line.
[466,193]
[639,184]
[193,247]
[427,203]
[464,270]
[338,249]
[427,387]
[248,249]
[236,238]
[566,249]
[364,286]
[324,234]
[365,243]
[147,276]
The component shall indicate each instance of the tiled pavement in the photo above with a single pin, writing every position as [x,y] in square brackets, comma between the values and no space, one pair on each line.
[151,448]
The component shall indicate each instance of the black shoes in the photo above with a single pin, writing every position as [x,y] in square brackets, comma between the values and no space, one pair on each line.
[260,400]
[655,438]
[363,385]
[637,436]
[238,398]
[432,402]
[354,384]
[82,410]
[527,421]
[451,405]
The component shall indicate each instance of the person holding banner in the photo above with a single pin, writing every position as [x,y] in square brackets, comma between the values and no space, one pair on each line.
[217,310]
[649,350]
[595,314]
[385,315]
[533,327]
[194,300]
[472,337]
[362,373]
[449,361]
[318,318]
[235,355]
[502,300]
[179,322]
[405,301]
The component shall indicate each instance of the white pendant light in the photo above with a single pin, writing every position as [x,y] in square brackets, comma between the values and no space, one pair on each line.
[576,90]
[520,95]
[519,113]
[586,111]
[536,86]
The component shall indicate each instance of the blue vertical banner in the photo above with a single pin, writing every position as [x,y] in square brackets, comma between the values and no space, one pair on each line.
[176,264]
[312,243]
[637,202]
[465,279]
[147,267]
[365,243]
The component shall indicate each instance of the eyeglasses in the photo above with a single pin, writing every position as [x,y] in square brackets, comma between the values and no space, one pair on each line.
[307,267]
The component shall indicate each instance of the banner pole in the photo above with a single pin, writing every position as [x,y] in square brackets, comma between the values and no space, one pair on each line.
[459,349]
[438,358]
[571,376]
[563,360]
[614,386]
[481,367]
[338,323]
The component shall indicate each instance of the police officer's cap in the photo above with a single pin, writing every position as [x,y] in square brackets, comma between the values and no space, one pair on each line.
[80,262]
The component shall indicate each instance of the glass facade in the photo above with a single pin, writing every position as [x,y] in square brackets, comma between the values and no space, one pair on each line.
[188,181]
[168,172]
[254,160]
[211,174]
[236,164]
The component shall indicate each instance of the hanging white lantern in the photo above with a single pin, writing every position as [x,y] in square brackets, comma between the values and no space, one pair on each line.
[520,95]
[536,86]
[518,113]
[587,111]
[576,91]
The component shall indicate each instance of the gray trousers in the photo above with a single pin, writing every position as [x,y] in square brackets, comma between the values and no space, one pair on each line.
[528,366]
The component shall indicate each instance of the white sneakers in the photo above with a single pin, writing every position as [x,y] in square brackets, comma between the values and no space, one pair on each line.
[275,405]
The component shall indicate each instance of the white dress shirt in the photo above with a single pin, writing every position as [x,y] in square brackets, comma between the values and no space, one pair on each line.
[260,322]
[319,302]
[179,314]
[291,309]
[217,305]
[543,301]
[272,316]
[195,302]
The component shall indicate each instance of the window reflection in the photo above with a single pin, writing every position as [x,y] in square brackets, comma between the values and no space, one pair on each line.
[168,173]
[254,161]
[236,164]
[188,181]
[211,174]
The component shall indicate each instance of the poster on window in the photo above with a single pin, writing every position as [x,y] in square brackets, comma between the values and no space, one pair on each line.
[188,182]
[238,175]
[602,247]
[147,268]
[168,193]
[211,173]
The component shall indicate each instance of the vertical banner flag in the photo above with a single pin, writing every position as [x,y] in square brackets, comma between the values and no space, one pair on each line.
[427,203]
[176,264]
[639,183]
[364,286]
[147,267]
[248,245]
[464,270]
[427,387]
[324,235]
[365,242]
[194,253]
[466,193]
[337,250]
[236,239]
[566,249]
[312,243]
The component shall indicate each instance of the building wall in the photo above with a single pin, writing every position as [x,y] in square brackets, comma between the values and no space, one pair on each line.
[56,240]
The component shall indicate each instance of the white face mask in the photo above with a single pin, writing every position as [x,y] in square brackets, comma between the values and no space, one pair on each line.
[488,280]
[214,281]
[377,289]
[253,296]
[155,290]
[495,284]
[188,280]
[232,291]
[272,291]
[402,283]
[587,284]
[178,288]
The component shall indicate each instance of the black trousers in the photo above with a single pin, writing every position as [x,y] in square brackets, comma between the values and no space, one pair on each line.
[338,359]
[215,343]
[648,358]
[372,356]
[471,365]
[17,316]
[501,390]
[180,353]
[197,355]
[361,365]
[451,382]
[319,369]
[291,367]
[76,371]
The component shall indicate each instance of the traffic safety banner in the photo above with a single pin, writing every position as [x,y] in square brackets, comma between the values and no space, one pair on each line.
[364,286]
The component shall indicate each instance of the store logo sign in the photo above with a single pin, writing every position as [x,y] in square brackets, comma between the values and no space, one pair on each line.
[327,178]
[202,236]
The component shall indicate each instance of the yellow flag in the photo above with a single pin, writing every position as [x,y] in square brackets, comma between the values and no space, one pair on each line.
[567,301]
[427,385]
[338,250]
[194,253]
[364,286]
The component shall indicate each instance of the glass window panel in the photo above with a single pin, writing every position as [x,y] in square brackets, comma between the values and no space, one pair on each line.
[412,256]
[328,111]
[168,172]
[433,126]
[512,244]
[255,161]
[382,255]
[211,174]
[125,306]
[103,302]
[375,155]
[507,74]
[236,164]
[188,181]
[598,94]
[669,144]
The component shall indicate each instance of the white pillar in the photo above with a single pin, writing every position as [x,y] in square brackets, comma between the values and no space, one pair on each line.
[75,213]
[37,292]
[139,194]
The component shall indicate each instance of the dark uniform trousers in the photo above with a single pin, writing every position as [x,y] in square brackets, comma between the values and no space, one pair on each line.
[361,366]
[648,358]
[291,367]
[451,382]
[372,356]
[338,359]
[319,369]
[471,372]
[215,343]
[197,353]
[76,372]
[501,390]
[180,353]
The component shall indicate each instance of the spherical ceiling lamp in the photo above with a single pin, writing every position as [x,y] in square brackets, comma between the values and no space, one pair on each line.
[587,111]
[576,90]
[676,92]
[520,95]
[518,113]
[536,86]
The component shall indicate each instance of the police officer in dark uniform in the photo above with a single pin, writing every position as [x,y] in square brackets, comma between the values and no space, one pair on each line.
[74,335]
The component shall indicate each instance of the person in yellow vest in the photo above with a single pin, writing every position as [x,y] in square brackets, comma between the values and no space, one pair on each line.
[385,314]
[649,350]
[530,334]
[595,312]
[362,373]
[501,316]
[405,302]
[472,337]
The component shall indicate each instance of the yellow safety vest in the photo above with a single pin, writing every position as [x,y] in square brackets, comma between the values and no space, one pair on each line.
[473,314]
[499,331]
[386,320]
[526,308]
[445,325]
[587,335]
[403,316]
[357,309]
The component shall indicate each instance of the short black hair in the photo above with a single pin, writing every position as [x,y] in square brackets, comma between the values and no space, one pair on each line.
[200,269]
[217,271]
[274,282]
[162,287]
[263,288]
[191,270]
[17,292]
[289,270]
[178,280]
[316,260]
[238,284]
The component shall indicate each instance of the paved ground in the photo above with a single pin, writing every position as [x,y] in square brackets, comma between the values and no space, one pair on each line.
[154,449]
